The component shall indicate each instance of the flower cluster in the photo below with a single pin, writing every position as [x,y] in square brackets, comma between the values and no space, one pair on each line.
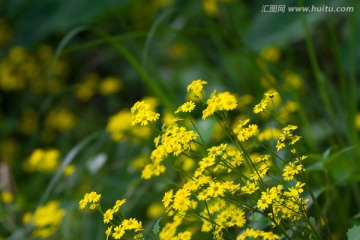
[244,178]
[92,84]
[260,107]
[196,87]
[121,125]
[42,160]
[46,219]
[219,102]
[23,70]
[60,119]
[143,114]
[235,180]
[127,229]
[92,199]
[174,140]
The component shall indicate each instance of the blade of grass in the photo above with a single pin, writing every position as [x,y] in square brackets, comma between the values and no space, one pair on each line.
[353,97]
[155,86]
[353,84]
[67,160]
[98,42]
[318,75]
[150,35]
[60,49]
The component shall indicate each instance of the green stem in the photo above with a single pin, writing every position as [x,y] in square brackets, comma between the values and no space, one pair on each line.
[98,42]
[319,76]
[353,68]
[154,86]
[317,207]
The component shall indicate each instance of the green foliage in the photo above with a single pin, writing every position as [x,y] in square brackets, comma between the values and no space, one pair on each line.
[353,233]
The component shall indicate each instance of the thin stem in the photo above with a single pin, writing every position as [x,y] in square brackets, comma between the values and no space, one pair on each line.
[319,76]
[316,204]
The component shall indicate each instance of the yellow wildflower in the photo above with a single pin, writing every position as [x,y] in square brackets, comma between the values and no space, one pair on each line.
[109,85]
[46,219]
[118,204]
[60,119]
[196,87]
[219,102]
[108,215]
[6,197]
[186,107]
[43,161]
[270,53]
[142,114]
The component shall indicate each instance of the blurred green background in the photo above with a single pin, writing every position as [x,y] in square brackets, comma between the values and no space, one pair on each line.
[66,67]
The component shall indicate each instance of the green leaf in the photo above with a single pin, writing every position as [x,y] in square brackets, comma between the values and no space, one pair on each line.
[156,228]
[336,156]
[353,233]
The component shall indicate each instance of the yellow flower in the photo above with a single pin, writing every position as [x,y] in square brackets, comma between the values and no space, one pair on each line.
[206,162]
[69,170]
[83,203]
[155,210]
[93,197]
[118,232]
[210,7]
[151,170]
[177,50]
[216,189]
[43,161]
[216,150]
[357,121]
[270,53]
[244,133]
[60,119]
[108,232]
[254,234]
[118,204]
[47,219]
[219,102]
[228,102]
[86,89]
[181,201]
[109,85]
[7,197]
[264,202]
[168,198]
[292,81]
[269,133]
[249,188]
[108,215]
[131,223]
[291,170]
[261,106]
[186,107]
[142,114]
[120,127]
[196,87]
[183,236]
